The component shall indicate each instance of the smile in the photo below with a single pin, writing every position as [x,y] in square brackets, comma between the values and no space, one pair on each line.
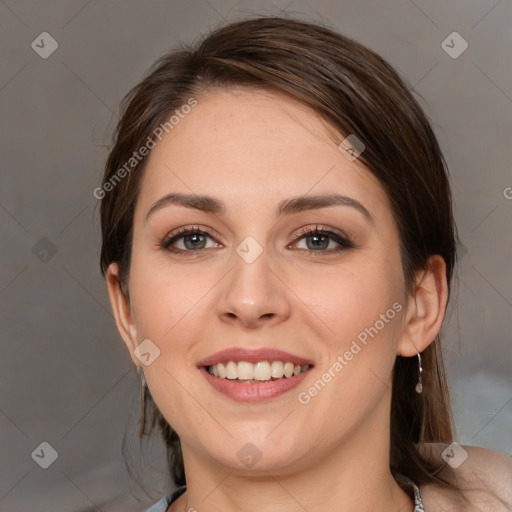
[254,375]
[262,371]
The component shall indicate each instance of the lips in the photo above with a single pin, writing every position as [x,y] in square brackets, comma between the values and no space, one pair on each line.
[251,390]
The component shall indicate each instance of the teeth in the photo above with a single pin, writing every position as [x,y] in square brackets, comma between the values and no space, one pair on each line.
[277,369]
[232,370]
[261,371]
[245,370]
[288,369]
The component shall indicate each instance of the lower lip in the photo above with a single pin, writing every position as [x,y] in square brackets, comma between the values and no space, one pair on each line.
[253,392]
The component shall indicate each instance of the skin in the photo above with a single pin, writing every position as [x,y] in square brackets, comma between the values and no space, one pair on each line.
[253,150]
[485,479]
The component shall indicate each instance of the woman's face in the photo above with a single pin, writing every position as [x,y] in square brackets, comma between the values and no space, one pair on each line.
[254,280]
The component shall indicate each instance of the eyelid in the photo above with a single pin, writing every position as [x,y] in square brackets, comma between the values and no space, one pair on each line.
[308,230]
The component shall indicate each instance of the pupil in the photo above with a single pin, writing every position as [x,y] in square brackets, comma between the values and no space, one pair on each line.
[194,245]
[316,238]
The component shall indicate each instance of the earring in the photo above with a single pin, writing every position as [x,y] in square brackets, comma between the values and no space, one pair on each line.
[419,385]
[143,382]
[143,387]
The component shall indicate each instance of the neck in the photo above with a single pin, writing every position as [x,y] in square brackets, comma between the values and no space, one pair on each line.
[352,475]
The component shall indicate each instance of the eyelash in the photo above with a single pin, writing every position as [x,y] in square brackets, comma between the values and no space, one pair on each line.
[343,241]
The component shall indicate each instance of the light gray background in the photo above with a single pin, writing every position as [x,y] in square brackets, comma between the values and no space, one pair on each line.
[66,377]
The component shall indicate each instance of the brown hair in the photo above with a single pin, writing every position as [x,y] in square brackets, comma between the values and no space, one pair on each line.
[357,92]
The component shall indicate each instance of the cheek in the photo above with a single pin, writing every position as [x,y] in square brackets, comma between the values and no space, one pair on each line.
[361,311]
[165,298]
[166,309]
[350,300]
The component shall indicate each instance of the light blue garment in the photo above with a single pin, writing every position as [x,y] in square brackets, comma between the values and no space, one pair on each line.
[164,503]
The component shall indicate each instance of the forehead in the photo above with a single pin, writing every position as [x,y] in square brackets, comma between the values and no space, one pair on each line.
[254,147]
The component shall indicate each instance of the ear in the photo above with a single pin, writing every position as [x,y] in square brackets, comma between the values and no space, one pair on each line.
[425,308]
[122,311]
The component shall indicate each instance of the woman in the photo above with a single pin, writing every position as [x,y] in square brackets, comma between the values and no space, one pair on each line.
[278,244]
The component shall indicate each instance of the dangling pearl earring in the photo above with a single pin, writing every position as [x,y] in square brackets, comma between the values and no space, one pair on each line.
[419,386]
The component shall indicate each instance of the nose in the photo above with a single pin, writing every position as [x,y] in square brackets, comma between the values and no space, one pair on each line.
[253,295]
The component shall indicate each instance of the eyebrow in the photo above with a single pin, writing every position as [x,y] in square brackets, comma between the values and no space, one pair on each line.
[209,204]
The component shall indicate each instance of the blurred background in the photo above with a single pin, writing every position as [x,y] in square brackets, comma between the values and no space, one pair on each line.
[69,391]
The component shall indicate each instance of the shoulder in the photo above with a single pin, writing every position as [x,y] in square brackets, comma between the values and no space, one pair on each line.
[483,475]
[169,502]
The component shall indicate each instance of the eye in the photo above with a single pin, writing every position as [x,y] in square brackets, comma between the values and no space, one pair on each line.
[318,240]
[191,239]
[195,240]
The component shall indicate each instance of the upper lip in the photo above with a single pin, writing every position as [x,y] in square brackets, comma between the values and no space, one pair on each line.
[253,356]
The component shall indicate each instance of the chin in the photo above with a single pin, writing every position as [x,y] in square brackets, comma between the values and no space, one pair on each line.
[254,455]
